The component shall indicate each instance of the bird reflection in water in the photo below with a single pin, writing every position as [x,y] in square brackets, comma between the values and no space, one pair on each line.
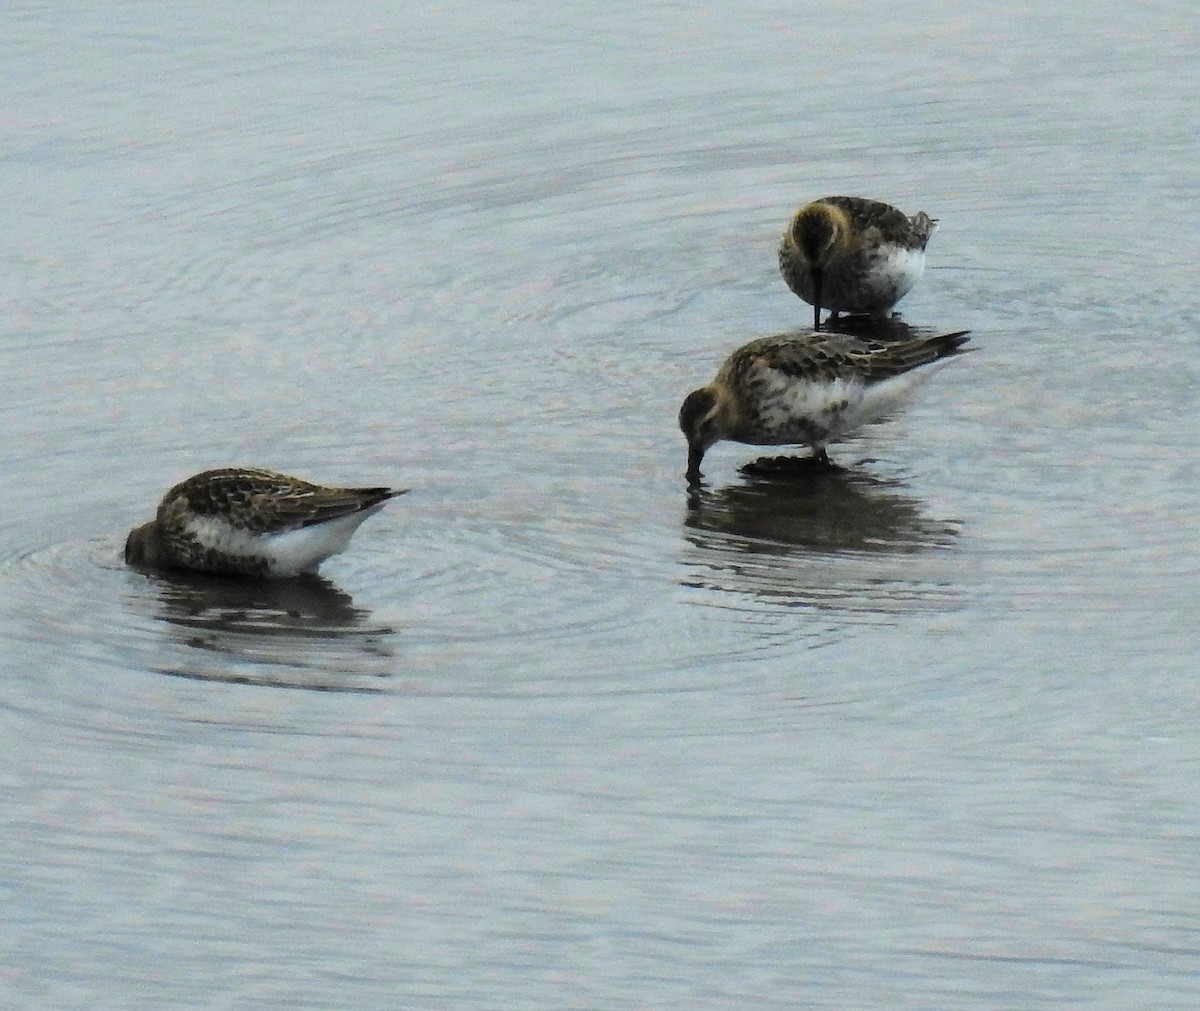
[877,328]
[293,633]
[801,534]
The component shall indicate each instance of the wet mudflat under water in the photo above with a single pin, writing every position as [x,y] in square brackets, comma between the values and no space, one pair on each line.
[555,732]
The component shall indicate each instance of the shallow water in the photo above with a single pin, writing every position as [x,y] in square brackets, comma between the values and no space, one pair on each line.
[556,732]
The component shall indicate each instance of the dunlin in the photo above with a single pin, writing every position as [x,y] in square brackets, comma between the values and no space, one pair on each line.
[806,389]
[250,522]
[851,254]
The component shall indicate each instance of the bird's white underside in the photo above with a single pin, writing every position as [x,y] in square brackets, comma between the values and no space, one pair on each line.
[887,276]
[901,266]
[287,554]
[792,407]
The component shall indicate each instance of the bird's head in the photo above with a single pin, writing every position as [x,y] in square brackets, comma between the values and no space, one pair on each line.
[143,546]
[704,419]
[818,229]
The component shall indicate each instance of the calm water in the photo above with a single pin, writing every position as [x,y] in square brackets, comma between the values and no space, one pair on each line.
[554,734]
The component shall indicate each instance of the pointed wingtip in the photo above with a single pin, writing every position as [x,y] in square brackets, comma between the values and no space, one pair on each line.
[952,343]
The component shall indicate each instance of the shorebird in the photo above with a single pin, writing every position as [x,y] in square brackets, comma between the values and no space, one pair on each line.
[851,254]
[250,522]
[807,389]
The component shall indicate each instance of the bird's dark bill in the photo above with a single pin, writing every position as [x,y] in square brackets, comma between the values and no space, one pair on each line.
[818,280]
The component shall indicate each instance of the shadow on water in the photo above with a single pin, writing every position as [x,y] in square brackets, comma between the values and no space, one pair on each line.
[292,633]
[876,328]
[802,535]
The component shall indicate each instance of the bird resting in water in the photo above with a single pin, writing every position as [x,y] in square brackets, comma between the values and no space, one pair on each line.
[807,389]
[851,254]
[251,522]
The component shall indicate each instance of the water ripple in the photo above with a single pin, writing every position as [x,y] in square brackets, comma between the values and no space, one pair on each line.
[299,634]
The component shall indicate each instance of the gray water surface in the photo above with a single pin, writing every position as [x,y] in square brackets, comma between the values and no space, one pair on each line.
[555,733]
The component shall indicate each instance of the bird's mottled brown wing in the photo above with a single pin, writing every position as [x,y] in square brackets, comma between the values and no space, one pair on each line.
[263,501]
[824,357]
[804,356]
[892,223]
[885,359]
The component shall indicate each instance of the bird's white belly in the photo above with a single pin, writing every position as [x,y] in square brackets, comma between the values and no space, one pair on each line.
[896,270]
[873,282]
[817,411]
[286,554]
